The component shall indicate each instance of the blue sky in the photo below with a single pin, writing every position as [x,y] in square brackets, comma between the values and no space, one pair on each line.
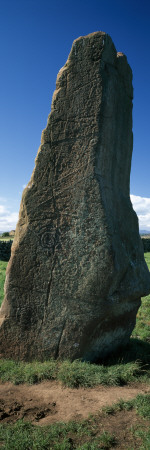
[35,39]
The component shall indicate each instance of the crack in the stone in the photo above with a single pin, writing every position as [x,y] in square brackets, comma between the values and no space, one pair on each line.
[49,285]
[59,340]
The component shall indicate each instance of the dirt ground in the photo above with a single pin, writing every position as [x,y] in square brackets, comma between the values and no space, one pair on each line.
[50,402]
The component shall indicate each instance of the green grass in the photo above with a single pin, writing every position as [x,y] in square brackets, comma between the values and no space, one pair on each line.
[24,436]
[73,374]
[132,365]
[144,435]
[3,265]
[7,238]
[147,258]
[141,404]
[86,435]
[20,372]
[142,329]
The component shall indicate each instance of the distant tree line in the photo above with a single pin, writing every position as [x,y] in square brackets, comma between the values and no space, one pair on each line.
[5,250]
[146,244]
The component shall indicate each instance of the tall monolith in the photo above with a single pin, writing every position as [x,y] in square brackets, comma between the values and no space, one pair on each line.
[77,271]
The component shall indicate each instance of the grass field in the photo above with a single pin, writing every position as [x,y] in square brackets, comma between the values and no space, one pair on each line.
[142,329]
[3,265]
[7,238]
[130,365]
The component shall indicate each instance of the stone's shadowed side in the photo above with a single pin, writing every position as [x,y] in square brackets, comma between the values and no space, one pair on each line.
[77,270]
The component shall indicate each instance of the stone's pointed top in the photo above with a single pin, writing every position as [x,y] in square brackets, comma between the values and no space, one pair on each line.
[95,36]
[94,46]
[91,35]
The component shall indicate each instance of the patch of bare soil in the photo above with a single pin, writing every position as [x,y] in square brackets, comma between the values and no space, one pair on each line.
[122,426]
[50,402]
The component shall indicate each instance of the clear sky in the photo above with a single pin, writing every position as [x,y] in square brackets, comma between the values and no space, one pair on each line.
[35,39]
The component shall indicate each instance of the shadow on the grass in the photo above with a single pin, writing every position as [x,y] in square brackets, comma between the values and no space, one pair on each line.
[136,350]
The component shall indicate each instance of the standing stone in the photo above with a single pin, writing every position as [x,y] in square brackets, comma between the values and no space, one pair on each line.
[77,271]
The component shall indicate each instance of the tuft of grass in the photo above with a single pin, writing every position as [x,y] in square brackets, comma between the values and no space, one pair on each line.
[3,265]
[144,435]
[141,404]
[104,441]
[121,405]
[73,374]
[79,373]
[31,373]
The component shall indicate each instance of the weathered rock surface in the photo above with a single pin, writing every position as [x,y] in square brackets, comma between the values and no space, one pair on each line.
[77,271]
